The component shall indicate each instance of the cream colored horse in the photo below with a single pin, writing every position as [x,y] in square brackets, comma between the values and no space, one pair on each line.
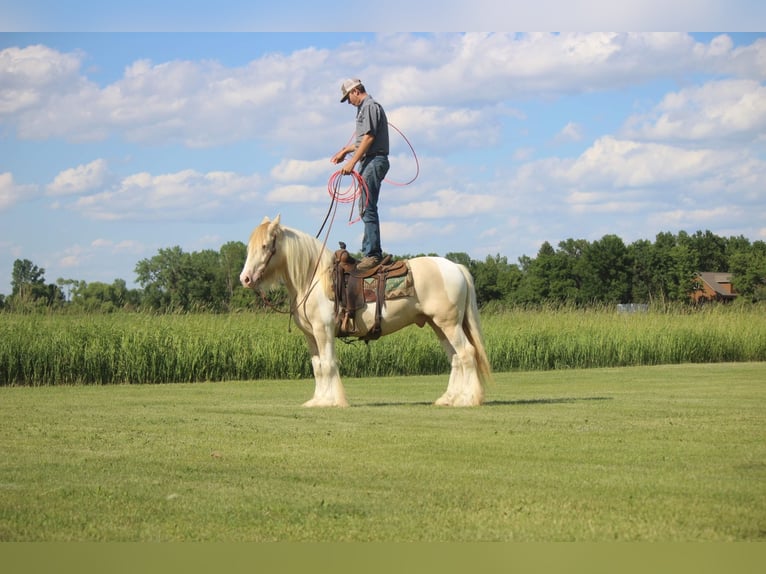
[444,298]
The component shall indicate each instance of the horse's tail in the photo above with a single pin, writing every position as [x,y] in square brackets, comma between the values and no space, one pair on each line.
[472,329]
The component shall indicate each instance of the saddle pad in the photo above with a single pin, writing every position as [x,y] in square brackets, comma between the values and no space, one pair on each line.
[396,287]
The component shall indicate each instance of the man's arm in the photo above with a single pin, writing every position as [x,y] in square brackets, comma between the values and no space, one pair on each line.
[359,153]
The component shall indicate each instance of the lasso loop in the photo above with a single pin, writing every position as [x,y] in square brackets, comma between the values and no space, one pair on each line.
[414,155]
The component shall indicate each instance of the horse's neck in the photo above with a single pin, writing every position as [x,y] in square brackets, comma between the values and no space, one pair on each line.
[306,265]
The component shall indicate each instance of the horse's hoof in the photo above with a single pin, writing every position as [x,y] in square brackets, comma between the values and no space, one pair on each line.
[316,403]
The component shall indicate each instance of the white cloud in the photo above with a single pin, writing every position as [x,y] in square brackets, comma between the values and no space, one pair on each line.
[126,246]
[719,110]
[173,196]
[448,203]
[441,127]
[616,185]
[102,243]
[80,179]
[722,215]
[46,94]
[73,256]
[614,163]
[572,132]
[293,170]
[28,76]
[130,246]
[297,194]
[12,193]
[482,67]
[396,233]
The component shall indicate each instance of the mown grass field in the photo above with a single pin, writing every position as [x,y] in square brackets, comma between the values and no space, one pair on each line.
[660,453]
[135,348]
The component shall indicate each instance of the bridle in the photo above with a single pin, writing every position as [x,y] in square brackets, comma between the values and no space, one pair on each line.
[258,274]
[262,267]
[269,255]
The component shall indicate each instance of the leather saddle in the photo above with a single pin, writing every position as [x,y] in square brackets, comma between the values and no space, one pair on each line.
[354,288]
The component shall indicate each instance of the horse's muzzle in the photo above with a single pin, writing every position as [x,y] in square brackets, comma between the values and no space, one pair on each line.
[247,280]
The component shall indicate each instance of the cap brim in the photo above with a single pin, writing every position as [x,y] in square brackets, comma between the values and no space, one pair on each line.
[344,98]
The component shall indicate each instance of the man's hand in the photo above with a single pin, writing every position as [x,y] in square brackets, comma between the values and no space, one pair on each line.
[348,168]
[339,157]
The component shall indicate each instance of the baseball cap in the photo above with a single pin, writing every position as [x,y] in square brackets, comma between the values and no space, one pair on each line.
[347,86]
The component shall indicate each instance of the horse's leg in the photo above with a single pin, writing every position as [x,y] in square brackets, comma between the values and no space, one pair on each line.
[464,388]
[328,389]
[316,368]
[454,384]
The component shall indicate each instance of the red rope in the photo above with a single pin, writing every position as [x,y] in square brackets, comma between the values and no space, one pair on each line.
[350,194]
[414,155]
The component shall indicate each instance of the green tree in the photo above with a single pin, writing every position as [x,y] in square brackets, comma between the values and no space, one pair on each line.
[710,250]
[162,278]
[608,269]
[27,279]
[749,272]
[568,271]
[174,280]
[29,289]
[204,281]
[104,298]
[735,245]
[534,286]
[233,256]
[675,265]
[485,277]
[642,287]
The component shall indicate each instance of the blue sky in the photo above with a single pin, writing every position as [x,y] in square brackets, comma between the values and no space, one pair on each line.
[116,144]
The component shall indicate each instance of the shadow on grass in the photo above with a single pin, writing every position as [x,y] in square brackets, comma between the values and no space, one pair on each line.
[520,402]
[545,401]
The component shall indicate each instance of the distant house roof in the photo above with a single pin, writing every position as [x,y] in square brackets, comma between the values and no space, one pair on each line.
[716,284]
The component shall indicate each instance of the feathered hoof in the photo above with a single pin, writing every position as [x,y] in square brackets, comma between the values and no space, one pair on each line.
[458,401]
[445,401]
[323,403]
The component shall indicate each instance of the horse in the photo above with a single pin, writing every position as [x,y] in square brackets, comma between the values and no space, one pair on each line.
[444,298]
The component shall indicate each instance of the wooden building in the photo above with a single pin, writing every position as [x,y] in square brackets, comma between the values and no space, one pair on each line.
[713,287]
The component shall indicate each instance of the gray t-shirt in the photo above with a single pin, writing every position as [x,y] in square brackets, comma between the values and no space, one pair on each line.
[371,119]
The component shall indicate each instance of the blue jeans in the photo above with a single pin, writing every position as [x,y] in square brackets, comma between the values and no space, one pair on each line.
[373,172]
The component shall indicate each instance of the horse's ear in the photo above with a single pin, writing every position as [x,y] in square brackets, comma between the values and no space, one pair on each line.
[277,219]
[274,225]
[265,220]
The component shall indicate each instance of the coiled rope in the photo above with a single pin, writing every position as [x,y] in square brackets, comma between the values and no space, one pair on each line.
[352,192]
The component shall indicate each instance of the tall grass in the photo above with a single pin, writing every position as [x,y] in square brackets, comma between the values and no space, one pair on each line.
[572,338]
[136,348]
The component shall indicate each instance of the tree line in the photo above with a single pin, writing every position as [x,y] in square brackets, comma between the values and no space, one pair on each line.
[575,272]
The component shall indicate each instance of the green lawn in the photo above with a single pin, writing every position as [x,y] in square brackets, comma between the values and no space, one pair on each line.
[664,453]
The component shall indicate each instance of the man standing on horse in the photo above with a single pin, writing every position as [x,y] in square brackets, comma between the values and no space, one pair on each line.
[370,147]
